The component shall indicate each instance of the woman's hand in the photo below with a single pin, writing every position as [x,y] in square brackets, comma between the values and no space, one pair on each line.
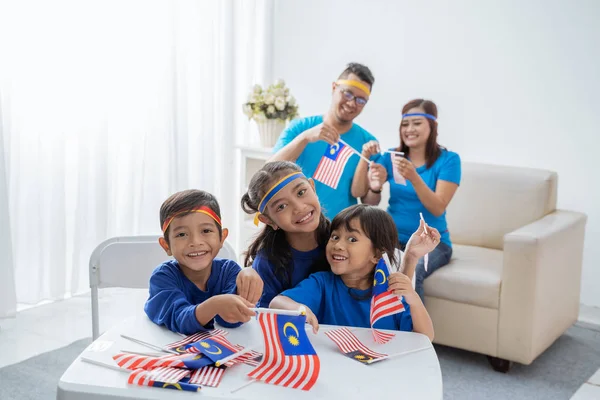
[370,148]
[406,168]
[377,176]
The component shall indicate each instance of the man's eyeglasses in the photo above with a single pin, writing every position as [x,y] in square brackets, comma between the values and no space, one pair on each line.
[349,96]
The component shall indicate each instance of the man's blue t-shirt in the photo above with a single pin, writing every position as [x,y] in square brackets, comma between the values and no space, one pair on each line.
[302,261]
[173,297]
[404,204]
[333,303]
[332,200]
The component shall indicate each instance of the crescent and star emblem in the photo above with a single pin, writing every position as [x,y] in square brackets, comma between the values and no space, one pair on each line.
[334,148]
[293,339]
[208,350]
[378,271]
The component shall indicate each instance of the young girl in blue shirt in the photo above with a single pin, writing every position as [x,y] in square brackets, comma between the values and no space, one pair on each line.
[292,243]
[360,236]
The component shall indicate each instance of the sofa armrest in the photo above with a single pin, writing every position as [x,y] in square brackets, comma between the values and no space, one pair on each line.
[541,281]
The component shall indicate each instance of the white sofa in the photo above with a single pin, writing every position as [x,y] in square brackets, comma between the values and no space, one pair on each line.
[512,286]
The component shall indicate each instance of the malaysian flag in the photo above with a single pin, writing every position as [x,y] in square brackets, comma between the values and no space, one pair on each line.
[383,303]
[290,359]
[168,378]
[134,361]
[207,376]
[349,344]
[179,345]
[332,164]
[214,347]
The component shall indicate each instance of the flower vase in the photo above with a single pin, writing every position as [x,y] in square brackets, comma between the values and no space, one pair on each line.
[269,131]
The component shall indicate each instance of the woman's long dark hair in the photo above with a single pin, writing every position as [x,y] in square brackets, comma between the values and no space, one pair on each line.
[377,225]
[432,148]
[273,243]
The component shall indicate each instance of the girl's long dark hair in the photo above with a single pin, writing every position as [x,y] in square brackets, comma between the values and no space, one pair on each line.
[273,243]
[377,225]
[432,149]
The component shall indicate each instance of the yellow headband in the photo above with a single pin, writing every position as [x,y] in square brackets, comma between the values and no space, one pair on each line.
[356,84]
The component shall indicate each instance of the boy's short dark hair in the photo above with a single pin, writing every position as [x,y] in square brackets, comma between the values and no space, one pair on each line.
[362,71]
[187,200]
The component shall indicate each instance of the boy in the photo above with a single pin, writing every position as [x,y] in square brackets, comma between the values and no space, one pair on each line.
[189,292]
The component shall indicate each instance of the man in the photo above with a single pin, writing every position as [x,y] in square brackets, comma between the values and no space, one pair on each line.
[305,140]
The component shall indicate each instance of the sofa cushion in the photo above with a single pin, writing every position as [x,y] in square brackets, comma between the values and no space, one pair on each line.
[473,277]
[494,200]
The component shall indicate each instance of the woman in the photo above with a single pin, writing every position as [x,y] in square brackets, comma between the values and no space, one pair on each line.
[422,180]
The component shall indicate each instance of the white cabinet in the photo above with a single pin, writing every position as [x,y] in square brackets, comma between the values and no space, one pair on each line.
[249,159]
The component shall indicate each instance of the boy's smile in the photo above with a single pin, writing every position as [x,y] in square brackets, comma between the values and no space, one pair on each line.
[194,241]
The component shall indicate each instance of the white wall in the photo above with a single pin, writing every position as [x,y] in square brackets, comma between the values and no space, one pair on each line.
[516,82]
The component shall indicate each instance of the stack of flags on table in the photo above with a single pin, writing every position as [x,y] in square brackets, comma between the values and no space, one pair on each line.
[199,362]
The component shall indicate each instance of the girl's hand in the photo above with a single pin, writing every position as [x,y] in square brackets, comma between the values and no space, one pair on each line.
[401,285]
[249,285]
[406,168]
[421,243]
[312,320]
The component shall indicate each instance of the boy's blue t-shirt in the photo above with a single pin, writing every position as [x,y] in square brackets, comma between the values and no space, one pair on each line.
[173,297]
[404,204]
[332,200]
[274,283]
[333,303]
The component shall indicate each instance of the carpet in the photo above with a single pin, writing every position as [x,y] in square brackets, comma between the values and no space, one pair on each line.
[556,374]
[37,378]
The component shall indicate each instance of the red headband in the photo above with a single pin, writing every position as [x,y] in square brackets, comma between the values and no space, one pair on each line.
[202,209]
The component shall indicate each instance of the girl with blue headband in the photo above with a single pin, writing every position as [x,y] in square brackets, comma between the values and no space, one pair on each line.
[292,243]
[423,178]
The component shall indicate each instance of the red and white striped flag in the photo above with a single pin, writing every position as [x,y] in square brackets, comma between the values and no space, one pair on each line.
[135,361]
[207,376]
[332,164]
[196,337]
[167,378]
[290,359]
[383,303]
[349,344]
[162,374]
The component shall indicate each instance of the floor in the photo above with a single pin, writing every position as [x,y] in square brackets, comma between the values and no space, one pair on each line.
[47,327]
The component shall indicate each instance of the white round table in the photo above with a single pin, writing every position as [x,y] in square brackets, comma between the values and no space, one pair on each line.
[416,375]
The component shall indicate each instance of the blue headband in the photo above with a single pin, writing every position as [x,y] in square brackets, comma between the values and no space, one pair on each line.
[274,190]
[431,117]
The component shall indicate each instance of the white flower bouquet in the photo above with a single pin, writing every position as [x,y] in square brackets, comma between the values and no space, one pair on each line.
[272,103]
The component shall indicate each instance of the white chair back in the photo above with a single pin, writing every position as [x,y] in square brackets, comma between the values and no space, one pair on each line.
[128,262]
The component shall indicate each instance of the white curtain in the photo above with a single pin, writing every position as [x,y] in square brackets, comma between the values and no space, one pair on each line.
[107,107]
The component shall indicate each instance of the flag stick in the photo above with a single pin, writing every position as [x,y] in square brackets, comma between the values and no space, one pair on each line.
[355,151]
[398,354]
[103,364]
[424,223]
[222,361]
[400,153]
[150,345]
[243,386]
[300,311]
[141,353]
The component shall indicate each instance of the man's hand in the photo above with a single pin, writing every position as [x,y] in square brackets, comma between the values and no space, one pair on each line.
[324,132]
[377,176]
